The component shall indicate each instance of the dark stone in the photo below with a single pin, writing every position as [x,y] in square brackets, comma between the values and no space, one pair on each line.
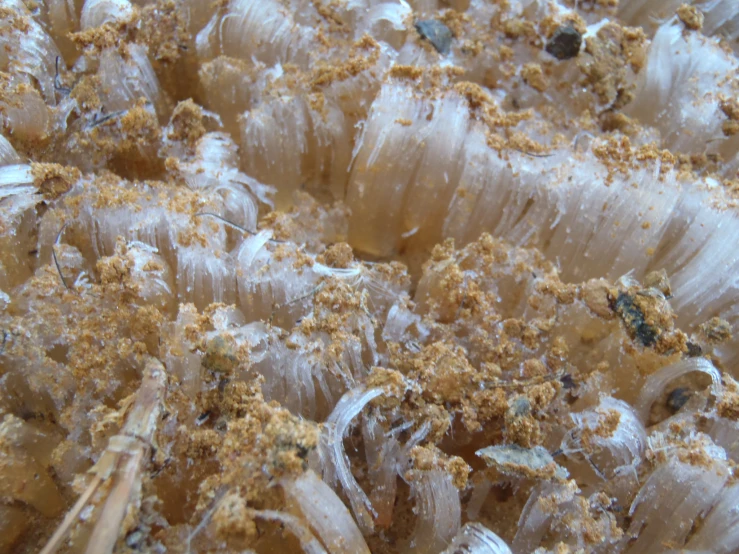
[436,33]
[677,398]
[520,407]
[135,539]
[633,318]
[565,43]
[567,382]
[694,350]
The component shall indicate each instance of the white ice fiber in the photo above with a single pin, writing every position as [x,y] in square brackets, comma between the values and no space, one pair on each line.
[656,383]
[475,538]
[334,458]
[326,514]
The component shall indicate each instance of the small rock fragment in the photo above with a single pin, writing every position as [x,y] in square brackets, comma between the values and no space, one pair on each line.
[633,318]
[519,407]
[565,43]
[677,399]
[568,383]
[436,33]
[694,350]
[516,461]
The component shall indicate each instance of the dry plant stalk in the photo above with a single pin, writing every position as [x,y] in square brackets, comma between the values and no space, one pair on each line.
[121,463]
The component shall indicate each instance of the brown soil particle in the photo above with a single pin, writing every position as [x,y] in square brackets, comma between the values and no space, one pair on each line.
[608,56]
[187,123]
[53,180]
[533,75]
[716,330]
[339,255]
[728,405]
[691,17]
[730,108]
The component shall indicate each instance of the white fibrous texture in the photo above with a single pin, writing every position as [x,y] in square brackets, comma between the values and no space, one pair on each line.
[656,383]
[660,514]
[127,79]
[28,51]
[725,433]
[685,78]
[98,12]
[474,538]
[609,437]
[720,529]
[335,460]
[369,276]
[720,17]
[325,513]
[264,30]
[16,179]
[438,510]
[8,155]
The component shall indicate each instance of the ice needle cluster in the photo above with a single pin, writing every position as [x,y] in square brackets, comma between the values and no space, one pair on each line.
[369,276]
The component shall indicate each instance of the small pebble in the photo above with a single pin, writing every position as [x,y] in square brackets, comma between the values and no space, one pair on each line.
[568,382]
[519,462]
[694,350]
[436,33]
[519,407]
[677,398]
[565,43]
[134,539]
